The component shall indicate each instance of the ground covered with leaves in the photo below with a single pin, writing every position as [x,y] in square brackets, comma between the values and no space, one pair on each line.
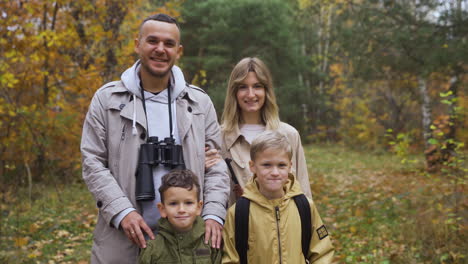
[380,210]
[377,210]
[55,227]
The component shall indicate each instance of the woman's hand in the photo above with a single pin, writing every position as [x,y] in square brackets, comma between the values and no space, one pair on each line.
[212,157]
[238,191]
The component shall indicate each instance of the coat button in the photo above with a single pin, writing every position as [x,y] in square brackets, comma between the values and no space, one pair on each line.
[99,204]
[189,109]
[143,135]
[121,106]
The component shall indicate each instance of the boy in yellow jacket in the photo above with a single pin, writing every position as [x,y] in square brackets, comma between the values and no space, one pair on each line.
[275,225]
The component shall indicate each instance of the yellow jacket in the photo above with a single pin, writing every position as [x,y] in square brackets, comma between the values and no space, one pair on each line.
[235,147]
[271,241]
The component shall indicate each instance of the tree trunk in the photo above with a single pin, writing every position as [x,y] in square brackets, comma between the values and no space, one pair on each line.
[325,21]
[425,110]
[116,11]
[431,151]
[28,172]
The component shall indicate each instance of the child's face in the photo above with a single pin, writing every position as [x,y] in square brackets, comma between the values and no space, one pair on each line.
[272,167]
[181,207]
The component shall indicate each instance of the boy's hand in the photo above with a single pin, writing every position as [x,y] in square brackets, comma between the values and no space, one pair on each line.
[133,225]
[211,157]
[213,230]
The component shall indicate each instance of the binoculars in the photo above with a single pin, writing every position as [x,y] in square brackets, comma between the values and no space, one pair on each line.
[153,153]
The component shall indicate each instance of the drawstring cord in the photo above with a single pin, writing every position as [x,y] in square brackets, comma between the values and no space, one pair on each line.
[134,129]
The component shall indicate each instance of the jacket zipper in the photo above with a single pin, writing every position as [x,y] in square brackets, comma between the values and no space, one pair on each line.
[278,231]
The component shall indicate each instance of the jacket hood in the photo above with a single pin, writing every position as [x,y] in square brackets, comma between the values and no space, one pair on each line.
[131,80]
[252,192]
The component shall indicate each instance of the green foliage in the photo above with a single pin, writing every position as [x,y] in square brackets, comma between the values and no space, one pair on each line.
[382,49]
[343,70]
[400,146]
[216,34]
[446,153]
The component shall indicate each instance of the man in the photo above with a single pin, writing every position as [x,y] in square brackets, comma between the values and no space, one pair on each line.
[151,99]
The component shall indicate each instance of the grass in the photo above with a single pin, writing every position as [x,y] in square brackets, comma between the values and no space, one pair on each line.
[56,227]
[380,210]
[377,209]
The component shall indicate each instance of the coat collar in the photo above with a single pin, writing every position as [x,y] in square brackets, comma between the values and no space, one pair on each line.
[231,137]
[188,94]
[291,189]
[198,229]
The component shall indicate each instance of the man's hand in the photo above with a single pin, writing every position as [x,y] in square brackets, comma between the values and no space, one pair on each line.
[211,157]
[133,225]
[213,231]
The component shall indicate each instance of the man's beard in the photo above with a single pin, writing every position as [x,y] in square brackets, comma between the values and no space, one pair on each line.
[156,74]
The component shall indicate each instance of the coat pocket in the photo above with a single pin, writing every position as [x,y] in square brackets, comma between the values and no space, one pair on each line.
[101,231]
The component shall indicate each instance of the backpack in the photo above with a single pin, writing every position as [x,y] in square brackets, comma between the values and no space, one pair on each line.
[241,225]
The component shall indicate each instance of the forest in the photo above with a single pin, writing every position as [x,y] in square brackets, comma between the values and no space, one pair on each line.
[377,89]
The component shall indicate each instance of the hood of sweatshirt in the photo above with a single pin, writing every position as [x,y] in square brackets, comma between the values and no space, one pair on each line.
[131,80]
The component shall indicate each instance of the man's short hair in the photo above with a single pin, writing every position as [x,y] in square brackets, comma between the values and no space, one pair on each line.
[270,139]
[159,17]
[179,178]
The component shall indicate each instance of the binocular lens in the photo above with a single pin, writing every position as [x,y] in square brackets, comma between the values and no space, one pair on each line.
[152,154]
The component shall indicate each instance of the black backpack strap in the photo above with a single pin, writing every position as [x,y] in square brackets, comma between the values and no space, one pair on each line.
[304,211]
[242,228]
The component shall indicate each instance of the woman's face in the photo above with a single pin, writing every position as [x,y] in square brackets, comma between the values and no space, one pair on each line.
[250,94]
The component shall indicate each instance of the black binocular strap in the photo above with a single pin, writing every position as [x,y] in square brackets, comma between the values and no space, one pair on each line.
[170,111]
[242,225]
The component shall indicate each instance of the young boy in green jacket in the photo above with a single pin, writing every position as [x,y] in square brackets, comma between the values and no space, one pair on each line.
[180,238]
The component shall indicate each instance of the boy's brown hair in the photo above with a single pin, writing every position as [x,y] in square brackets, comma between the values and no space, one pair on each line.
[270,139]
[179,178]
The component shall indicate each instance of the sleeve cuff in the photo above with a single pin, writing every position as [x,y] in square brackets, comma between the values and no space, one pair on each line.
[120,216]
[214,217]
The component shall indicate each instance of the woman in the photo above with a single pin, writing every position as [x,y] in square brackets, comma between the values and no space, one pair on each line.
[249,109]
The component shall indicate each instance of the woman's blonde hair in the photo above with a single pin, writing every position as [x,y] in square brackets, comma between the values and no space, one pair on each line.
[269,112]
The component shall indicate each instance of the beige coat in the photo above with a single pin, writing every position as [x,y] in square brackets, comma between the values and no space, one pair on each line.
[235,147]
[110,155]
[273,241]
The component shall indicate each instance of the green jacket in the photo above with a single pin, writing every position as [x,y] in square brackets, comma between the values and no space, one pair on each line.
[183,248]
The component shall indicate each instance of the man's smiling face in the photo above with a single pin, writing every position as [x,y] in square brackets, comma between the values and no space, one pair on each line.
[158,46]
